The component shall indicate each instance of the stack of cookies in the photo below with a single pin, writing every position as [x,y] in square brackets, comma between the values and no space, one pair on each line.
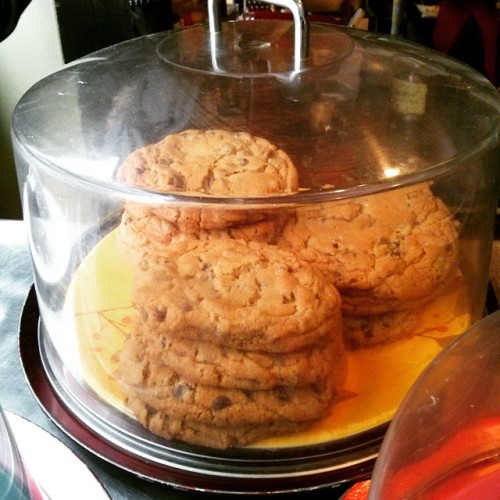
[388,254]
[236,339]
[213,163]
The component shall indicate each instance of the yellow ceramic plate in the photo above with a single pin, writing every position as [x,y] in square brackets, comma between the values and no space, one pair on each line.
[378,377]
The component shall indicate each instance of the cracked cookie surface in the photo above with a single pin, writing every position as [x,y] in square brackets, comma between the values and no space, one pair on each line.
[164,390]
[197,433]
[211,364]
[244,295]
[384,252]
[364,331]
[212,163]
[142,235]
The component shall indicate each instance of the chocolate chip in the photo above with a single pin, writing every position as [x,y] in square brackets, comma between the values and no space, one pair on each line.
[366,329]
[394,246]
[283,394]
[395,249]
[180,391]
[160,315]
[288,299]
[248,393]
[178,180]
[221,402]
[208,181]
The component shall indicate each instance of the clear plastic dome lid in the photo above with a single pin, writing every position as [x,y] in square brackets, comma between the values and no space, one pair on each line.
[356,111]
[261,194]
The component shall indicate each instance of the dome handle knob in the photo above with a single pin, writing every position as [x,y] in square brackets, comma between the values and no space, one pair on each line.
[300,21]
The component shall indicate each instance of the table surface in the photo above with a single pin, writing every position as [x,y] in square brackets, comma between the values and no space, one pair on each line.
[16,396]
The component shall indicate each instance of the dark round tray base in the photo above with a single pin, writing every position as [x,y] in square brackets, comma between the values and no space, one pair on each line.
[310,484]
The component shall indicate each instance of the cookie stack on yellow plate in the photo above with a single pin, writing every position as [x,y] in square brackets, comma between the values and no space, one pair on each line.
[236,339]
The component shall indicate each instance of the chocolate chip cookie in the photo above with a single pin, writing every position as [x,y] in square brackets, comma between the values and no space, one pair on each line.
[364,331]
[242,295]
[214,436]
[162,389]
[212,163]
[384,252]
[141,235]
[207,363]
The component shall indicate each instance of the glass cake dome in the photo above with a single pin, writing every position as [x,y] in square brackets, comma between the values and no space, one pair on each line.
[249,238]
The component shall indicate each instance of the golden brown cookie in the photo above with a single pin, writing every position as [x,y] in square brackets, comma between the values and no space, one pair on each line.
[213,436]
[384,252]
[212,162]
[365,331]
[215,163]
[162,389]
[160,222]
[206,363]
[243,295]
[140,236]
